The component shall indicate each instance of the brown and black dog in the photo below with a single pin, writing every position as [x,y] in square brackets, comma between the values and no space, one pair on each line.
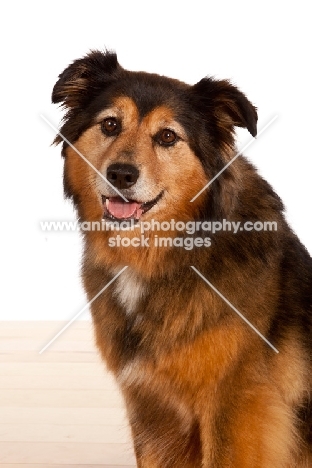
[201,387]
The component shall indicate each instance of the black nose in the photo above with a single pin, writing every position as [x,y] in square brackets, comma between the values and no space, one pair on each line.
[122,176]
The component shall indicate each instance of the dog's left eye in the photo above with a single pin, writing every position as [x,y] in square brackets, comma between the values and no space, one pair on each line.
[166,137]
[110,126]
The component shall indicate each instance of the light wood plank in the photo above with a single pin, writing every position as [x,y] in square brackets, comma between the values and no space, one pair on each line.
[69,453]
[60,409]
[48,324]
[64,433]
[61,356]
[46,330]
[54,368]
[66,416]
[14,344]
[69,398]
[72,382]
[35,465]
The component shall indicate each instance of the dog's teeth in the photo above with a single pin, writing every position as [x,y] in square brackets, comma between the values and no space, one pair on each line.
[107,202]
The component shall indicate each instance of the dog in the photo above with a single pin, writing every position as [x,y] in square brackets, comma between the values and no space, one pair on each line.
[207,332]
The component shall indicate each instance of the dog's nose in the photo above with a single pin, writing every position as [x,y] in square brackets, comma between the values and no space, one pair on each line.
[122,176]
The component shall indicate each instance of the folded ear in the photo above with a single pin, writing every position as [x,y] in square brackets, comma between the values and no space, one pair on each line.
[84,78]
[229,105]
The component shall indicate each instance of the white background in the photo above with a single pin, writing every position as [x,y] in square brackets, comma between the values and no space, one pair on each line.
[263,47]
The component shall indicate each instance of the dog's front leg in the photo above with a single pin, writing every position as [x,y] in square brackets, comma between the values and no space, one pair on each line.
[161,438]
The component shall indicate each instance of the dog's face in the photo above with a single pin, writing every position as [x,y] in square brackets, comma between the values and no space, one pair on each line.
[145,158]
[143,146]
[155,140]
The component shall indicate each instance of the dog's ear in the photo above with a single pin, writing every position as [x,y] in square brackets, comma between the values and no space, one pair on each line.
[84,78]
[229,105]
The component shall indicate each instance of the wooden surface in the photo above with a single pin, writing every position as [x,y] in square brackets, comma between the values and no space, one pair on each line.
[61,408]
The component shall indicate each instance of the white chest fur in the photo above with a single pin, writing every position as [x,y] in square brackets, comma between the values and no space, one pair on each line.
[129,289]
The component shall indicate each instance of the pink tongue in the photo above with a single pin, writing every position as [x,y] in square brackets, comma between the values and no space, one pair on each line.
[122,209]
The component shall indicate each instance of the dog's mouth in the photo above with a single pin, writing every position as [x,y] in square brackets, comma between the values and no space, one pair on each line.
[115,208]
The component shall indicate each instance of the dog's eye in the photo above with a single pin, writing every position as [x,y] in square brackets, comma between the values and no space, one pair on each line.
[110,126]
[166,137]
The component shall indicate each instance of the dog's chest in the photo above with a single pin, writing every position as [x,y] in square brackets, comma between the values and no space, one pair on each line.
[129,290]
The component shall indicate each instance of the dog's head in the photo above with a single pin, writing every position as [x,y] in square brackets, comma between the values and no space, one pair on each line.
[152,143]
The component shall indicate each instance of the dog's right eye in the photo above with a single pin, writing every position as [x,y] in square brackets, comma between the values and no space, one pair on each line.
[110,126]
